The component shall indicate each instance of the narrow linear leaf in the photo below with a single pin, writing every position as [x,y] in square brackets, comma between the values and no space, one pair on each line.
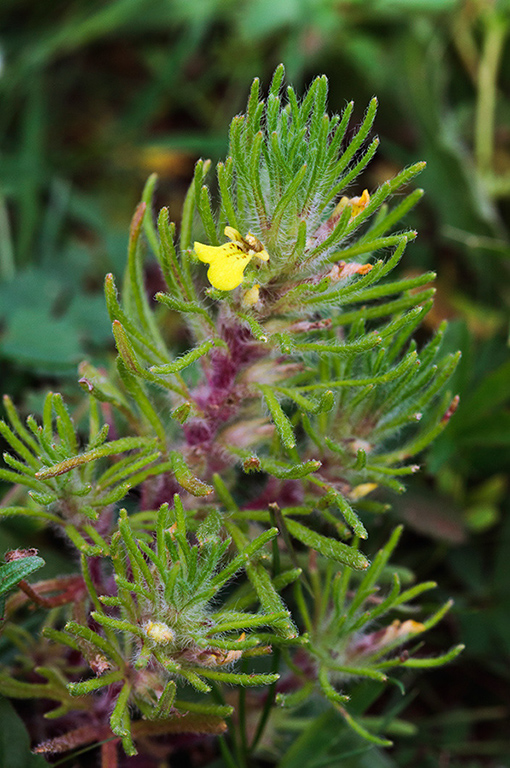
[12,573]
[186,478]
[187,359]
[331,548]
[110,449]
[280,418]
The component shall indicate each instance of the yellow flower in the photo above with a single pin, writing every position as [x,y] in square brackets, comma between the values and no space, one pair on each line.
[357,204]
[228,261]
[387,638]
[251,296]
[158,632]
[360,491]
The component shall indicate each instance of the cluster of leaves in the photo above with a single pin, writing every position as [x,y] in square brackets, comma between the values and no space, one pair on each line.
[94,96]
[298,394]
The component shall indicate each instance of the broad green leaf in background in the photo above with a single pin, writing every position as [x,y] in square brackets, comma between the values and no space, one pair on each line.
[14,742]
[37,340]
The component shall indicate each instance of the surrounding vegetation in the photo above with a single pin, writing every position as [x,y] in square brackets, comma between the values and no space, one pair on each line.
[260,432]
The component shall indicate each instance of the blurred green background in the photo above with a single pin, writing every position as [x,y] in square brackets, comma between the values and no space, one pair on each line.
[96,95]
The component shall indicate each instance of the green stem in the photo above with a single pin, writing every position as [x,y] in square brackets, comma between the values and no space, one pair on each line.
[267,705]
[7,266]
[276,565]
[496,28]
[241,712]
[225,749]
[227,754]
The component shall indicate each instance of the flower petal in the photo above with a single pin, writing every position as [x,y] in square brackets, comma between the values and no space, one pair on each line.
[227,262]
[251,296]
[209,253]
[227,272]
